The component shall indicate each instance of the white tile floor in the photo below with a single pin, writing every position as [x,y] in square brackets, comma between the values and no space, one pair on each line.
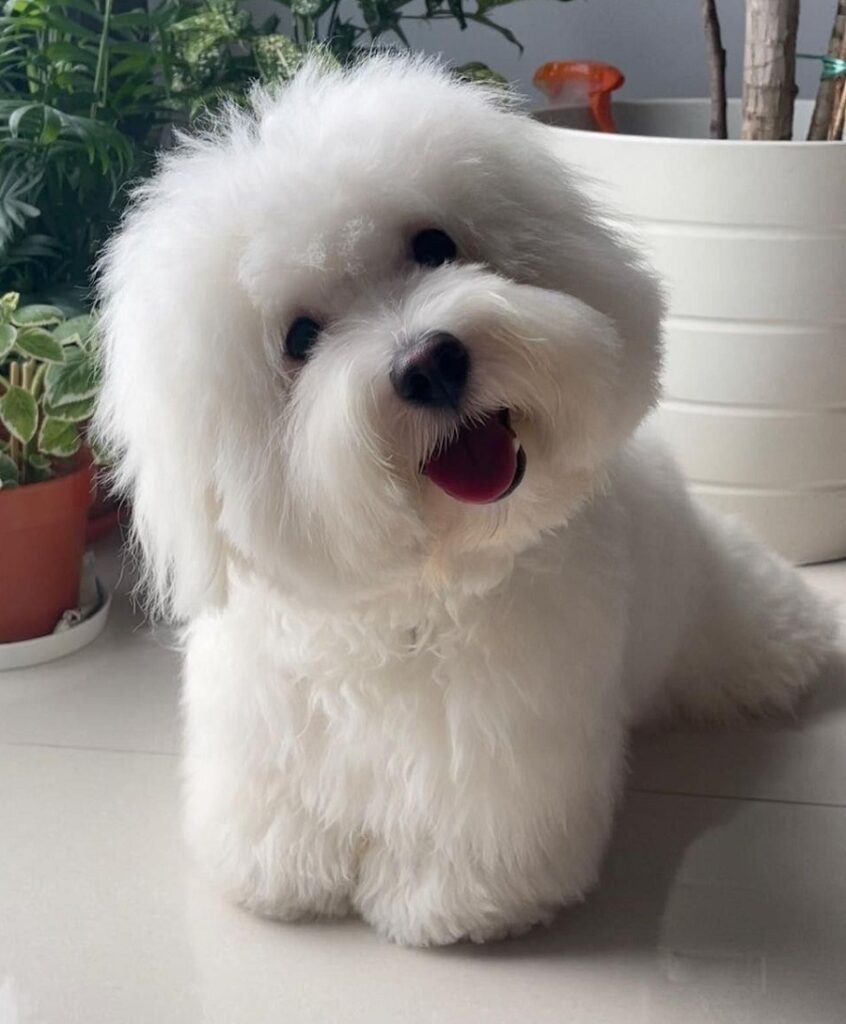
[723,899]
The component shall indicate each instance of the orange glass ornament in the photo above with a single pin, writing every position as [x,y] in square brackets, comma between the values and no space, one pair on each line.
[587,81]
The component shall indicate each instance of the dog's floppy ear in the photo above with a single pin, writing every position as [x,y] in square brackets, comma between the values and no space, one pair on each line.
[585,257]
[163,291]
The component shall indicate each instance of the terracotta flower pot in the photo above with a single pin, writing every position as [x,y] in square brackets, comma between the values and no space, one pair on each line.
[42,539]
[104,512]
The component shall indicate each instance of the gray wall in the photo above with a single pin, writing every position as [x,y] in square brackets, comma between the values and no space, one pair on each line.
[658,44]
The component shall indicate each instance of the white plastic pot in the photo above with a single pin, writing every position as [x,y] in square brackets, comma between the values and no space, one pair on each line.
[750,238]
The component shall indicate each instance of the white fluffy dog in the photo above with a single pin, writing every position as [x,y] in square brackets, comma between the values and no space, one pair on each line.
[374,367]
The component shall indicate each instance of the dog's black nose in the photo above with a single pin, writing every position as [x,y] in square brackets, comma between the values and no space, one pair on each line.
[432,373]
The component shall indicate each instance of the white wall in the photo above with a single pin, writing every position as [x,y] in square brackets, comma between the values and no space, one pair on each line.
[658,44]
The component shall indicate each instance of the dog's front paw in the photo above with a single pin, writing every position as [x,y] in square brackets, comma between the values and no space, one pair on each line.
[293,871]
[413,925]
[289,903]
[439,904]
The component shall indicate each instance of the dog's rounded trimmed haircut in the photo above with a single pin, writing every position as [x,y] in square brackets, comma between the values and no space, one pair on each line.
[304,204]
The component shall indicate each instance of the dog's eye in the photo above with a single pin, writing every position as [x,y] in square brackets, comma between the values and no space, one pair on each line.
[433,247]
[301,337]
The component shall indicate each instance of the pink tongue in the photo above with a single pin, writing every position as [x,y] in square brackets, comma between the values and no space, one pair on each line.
[478,466]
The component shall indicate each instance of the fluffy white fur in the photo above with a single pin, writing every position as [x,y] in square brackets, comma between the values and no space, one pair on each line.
[396,704]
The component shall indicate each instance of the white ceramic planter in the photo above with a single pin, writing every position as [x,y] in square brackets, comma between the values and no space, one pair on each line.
[750,239]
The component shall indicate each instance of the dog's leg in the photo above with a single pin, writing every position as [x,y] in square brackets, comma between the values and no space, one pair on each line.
[756,635]
[480,874]
[245,820]
[510,800]
[263,853]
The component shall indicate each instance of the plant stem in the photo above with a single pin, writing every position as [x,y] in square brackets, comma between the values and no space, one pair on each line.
[27,375]
[14,444]
[164,51]
[38,380]
[827,92]
[101,80]
[333,17]
[717,68]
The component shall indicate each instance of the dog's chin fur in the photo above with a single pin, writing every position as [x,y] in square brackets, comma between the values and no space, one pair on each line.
[399,704]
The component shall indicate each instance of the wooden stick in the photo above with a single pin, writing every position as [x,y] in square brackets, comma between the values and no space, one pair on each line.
[835,132]
[825,106]
[769,68]
[717,69]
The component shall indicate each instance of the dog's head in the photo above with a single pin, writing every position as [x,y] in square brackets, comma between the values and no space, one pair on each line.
[368,335]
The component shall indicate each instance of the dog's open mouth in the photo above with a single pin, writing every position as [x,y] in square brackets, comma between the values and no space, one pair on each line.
[484,463]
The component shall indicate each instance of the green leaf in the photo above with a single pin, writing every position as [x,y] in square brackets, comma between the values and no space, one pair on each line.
[371,14]
[19,413]
[75,331]
[476,71]
[58,438]
[37,343]
[41,468]
[277,57]
[457,10]
[71,412]
[18,183]
[15,122]
[344,39]
[305,8]
[8,305]
[51,128]
[8,470]
[73,380]
[8,485]
[134,62]
[72,28]
[33,250]
[506,33]
[70,52]
[8,333]
[37,316]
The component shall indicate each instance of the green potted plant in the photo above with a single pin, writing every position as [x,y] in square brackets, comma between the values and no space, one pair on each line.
[214,48]
[89,89]
[48,380]
[80,116]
